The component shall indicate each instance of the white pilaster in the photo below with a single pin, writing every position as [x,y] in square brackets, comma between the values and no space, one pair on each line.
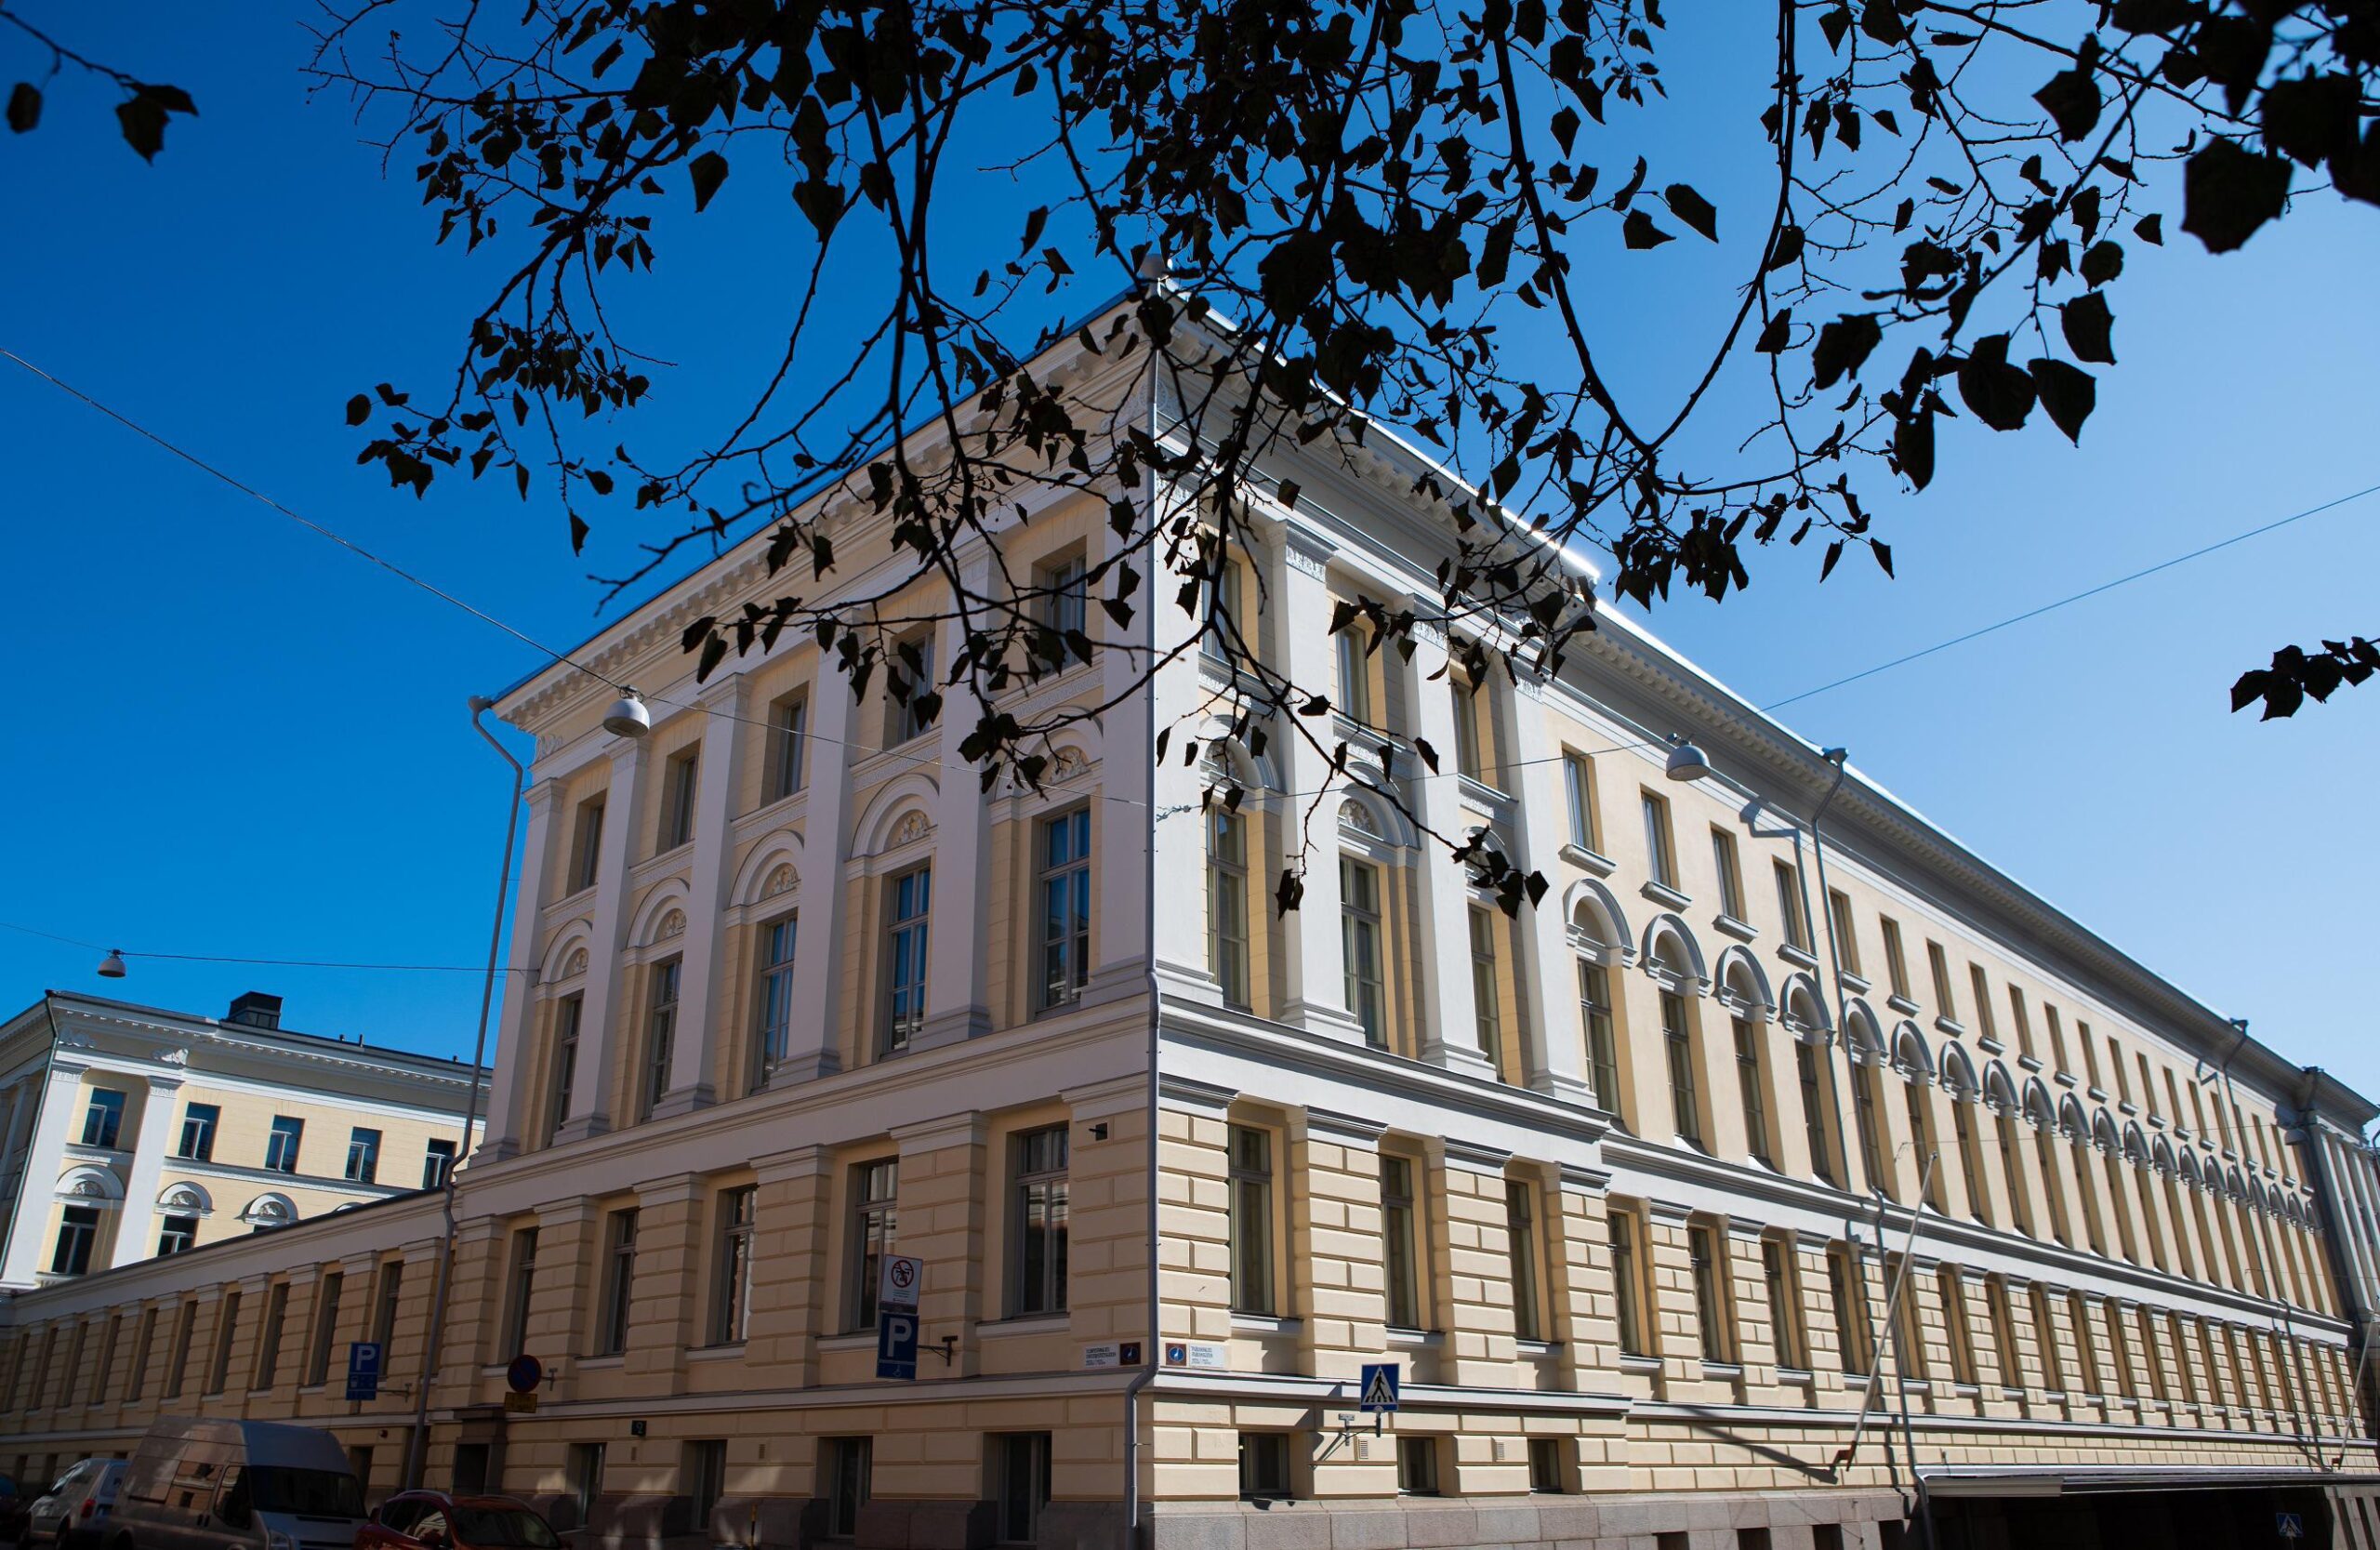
[133,1240]
[1316,993]
[957,969]
[1126,820]
[1555,1052]
[518,1021]
[818,928]
[27,1252]
[598,1028]
[1451,1038]
[700,1000]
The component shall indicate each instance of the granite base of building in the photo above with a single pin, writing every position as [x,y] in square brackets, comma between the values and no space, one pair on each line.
[1672,1520]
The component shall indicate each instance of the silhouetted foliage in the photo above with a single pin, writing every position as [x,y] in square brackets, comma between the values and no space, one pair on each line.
[141,112]
[1375,195]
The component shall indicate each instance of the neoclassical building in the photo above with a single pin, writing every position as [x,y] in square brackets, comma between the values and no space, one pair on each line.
[132,1131]
[1770,1184]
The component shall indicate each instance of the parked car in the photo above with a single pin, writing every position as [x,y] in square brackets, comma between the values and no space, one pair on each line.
[236,1485]
[434,1520]
[74,1513]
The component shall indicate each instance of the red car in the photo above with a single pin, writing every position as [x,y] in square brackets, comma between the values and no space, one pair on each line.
[434,1520]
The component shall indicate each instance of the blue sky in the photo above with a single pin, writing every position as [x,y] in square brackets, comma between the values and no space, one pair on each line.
[234,738]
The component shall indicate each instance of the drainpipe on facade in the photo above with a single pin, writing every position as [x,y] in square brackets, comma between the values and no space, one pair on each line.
[2326,1197]
[417,1447]
[1147,1374]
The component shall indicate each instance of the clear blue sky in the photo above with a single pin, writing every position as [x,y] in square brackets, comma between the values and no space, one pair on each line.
[233,738]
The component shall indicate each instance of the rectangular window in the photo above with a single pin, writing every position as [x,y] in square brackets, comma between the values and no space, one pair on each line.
[2147,1086]
[144,1339]
[1982,988]
[2085,1357]
[1928,1159]
[1937,964]
[584,1468]
[1219,638]
[520,1292]
[1545,1464]
[103,1120]
[280,1147]
[1896,958]
[660,1035]
[1814,1107]
[851,1471]
[1847,1292]
[1660,857]
[1355,674]
[1065,907]
[198,1132]
[1417,1466]
[2021,1021]
[1841,921]
[176,1234]
[1021,1488]
[106,1377]
[1252,1221]
[1970,1158]
[620,1283]
[1487,1018]
[1470,757]
[1628,1284]
[2115,1064]
[905,933]
[1400,1243]
[680,789]
[1789,906]
[437,1165]
[1264,1466]
[78,1229]
[789,739]
[362,1155]
[1359,948]
[874,1219]
[1953,1291]
[1750,1086]
[1906,1344]
[586,845]
[389,1298]
[565,1066]
[913,713]
[177,1358]
[276,1313]
[2120,1350]
[1866,1081]
[1677,1040]
[325,1330]
[774,1035]
[1228,904]
[1038,1223]
[2057,1039]
[2090,1052]
[1520,1240]
[1602,1049]
[1731,877]
[1578,786]
[1067,605]
[1782,1280]
[705,1472]
[731,1293]
[1709,1271]
[227,1329]
[2004,1331]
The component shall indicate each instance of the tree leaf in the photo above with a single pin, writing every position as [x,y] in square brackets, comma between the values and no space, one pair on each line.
[1914,448]
[359,409]
[2102,264]
[2071,100]
[2228,191]
[1842,346]
[1639,232]
[1777,334]
[1693,209]
[2150,229]
[1787,250]
[709,170]
[143,119]
[2086,323]
[2001,395]
[24,106]
[2068,394]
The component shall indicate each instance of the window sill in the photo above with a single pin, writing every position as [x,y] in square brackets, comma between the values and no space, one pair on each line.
[1630,1362]
[608,1361]
[2127,1108]
[1794,1376]
[1901,1004]
[2096,1093]
[1729,1370]
[1742,930]
[1478,788]
[729,1351]
[1263,1324]
[1538,1350]
[1967,1391]
[1588,861]
[1951,1026]
[1801,958]
[2063,1078]
[1028,1323]
[1990,1045]
[1413,1340]
[1853,981]
[1662,892]
[854,1340]
[2029,1062]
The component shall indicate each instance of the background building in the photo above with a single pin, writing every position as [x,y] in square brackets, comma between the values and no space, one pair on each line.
[1737,1195]
[132,1131]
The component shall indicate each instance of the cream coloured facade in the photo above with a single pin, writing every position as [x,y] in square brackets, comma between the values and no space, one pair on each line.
[1734,1195]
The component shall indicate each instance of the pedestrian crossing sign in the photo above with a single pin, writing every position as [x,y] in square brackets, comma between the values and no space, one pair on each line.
[1379,1387]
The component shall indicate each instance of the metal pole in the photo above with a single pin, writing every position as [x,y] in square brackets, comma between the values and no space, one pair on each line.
[417,1448]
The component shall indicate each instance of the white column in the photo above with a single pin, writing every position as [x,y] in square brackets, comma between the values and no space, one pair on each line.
[1555,1050]
[1316,993]
[132,1237]
[518,1022]
[598,1031]
[818,925]
[957,969]
[1451,1040]
[59,1090]
[700,1002]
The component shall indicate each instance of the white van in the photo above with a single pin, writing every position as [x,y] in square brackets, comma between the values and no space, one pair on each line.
[236,1485]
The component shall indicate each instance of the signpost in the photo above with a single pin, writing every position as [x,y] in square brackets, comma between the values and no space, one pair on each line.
[364,1369]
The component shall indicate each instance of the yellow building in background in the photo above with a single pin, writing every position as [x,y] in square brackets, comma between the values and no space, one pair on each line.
[1772,1185]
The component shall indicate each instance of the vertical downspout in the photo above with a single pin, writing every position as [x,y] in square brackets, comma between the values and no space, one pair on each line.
[1147,1374]
[49,1056]
[2333,1243]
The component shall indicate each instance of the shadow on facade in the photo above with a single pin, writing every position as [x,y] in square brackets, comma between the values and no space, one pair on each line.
[2164,1519]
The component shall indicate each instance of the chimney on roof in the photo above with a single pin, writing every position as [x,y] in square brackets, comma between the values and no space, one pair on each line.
[255,1010]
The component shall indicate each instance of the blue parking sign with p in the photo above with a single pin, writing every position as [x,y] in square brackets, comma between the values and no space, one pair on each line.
[897,1343]
[364,1369]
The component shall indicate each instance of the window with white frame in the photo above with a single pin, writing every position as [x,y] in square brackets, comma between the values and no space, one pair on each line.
[1579,787]
[362,1155]
[1522,1259]
[1064,918]
[1486,1015]
[731,1293]
[1037,1224]
[1066,605]
[199,1123]
[905,926]
[1359,944]
[661,1035]
[1751,1085]
[1603,1046]
[177,1233]
[1847,1292]
[1628,1283]
[1400,1242]
[1781,1278]
[680,793]
[773,1038]
[1470,701]
[280,1145]
[520,1294]
[1252,1221]
[437,1165]
[1677,1044]
[1846,938]
[103,1120]
[566,1061]
[619,1286]
[1354,673]
[1228,904]
[78,1231]
[587,843]
[914,706]
[789,743]
[1660,857]
[1731,877]
[874,1219]
[1713,1313]
[1789,906]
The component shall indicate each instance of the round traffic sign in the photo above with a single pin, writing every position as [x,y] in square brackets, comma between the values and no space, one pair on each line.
[525,1373]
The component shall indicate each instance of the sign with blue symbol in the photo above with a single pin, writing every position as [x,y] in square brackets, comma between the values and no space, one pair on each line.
[364,1369]
[897,1344]
[1379,1388]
